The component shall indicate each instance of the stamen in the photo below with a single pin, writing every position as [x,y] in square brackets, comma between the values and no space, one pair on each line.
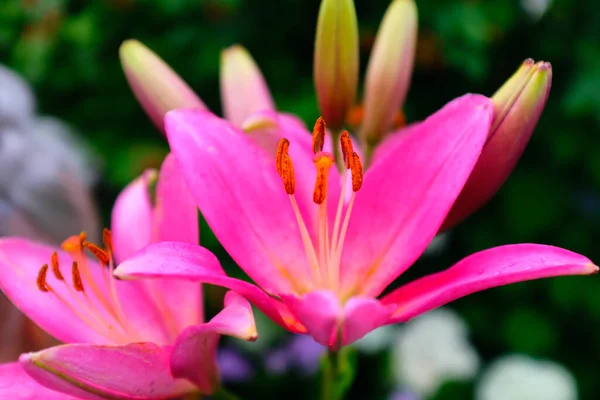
[323,162]
[107,241]
[41,279]
[77,282]
[318,138]
[55,267]
[100,254]
[71,244]
[285,167]
[282,151]
[347,148]
[82,238]
[289,179]
[357,172]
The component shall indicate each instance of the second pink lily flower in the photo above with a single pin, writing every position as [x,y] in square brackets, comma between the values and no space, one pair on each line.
[320,258]
[142,340]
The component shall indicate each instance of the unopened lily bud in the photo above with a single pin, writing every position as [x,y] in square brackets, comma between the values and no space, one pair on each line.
[156,86]
[389,70]
[336,60]
[243,87]
[518,105]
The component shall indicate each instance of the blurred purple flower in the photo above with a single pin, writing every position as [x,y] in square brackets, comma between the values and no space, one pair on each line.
[301,354]
[403,395]
[234,367]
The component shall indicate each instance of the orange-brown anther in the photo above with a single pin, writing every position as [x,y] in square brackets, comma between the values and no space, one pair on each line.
[287,174]
[82,238]
[318,138]
[323,163]
[77,282]
[100,254]
[282,151]
[107,241]
[71,244]
[41,279]
[55,267]
[357,172]
[347,148]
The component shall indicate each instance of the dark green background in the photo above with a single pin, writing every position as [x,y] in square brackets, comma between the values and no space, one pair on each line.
[68,50]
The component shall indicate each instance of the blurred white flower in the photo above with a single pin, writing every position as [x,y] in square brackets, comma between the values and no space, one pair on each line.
[438,244]
[17,104]
[434,349]
[377,340]
[519,377]
[536,8]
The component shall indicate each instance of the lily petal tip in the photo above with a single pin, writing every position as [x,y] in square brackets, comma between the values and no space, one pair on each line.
[591,268]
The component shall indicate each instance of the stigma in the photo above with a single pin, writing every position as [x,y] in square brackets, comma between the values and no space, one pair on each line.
[95,303]
[324,251]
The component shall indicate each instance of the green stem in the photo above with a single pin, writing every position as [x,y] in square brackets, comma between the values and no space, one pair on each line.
[223,394]
[330,375]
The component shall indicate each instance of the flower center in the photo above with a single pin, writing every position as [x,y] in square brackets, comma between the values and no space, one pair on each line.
[97,306]
[324,256]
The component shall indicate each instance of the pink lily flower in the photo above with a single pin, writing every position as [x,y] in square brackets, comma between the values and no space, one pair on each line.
[126,340]
[321,258]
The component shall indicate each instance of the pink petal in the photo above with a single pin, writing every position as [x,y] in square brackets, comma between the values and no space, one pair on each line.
[406,195]
[362,315]
[134,371]
[15,384]
[392,141]
[176,219]
[320,312]
[226,171]
[194,263]
[243,87]
[195,351]
[20,261]
[131,221]
[489,268]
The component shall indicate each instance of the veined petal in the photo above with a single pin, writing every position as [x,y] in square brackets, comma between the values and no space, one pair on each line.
[321,313]
[134,371]
[20,261]
[175,215]
[156,86]
[184,261]
[226,171]
[132,220]
[175,218]
[243,87]
[194,354]
[489,268]
[407,194]
[16,384]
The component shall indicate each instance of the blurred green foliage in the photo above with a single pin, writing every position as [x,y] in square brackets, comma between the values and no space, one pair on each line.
[68,50]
